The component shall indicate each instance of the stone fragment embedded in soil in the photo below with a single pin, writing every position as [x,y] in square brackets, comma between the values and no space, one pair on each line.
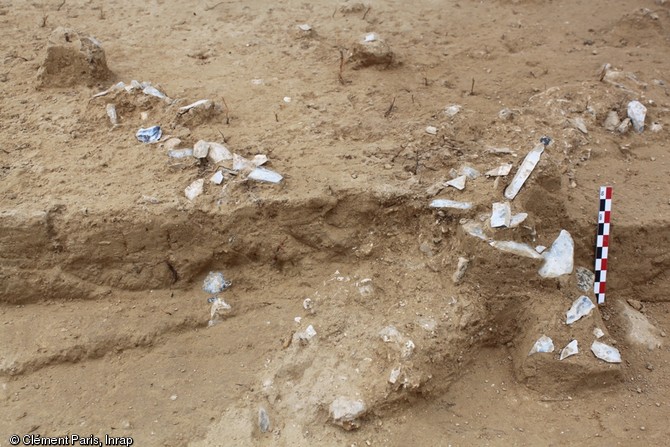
[458,275]
[624,127]
[259,159]
[215,283]
[390,334]
[201,149]
[458,182]
[144,87]
[306,335]
[475,229]
[501,215]
[598,333]
[500,171]
[505,114]
[637,113]
[579,124]
[149,135]
[543,344]
[218,153]
[526,168]
[395,375]
[581,307]
[638,329]
[265,175]
[432,130]
[558,261]
[517,219]
[585,278]
[605,352]
[371,50]
[446,203]
[612,121]
[516,248]
[263,420]
[111,114]
[194,189]
[72,59]
[469,172]
[569,350]
[242,164]
[219,310]
[656,127]
[217,178]
[202,104]
[452,110]
[180,153]
[347,412]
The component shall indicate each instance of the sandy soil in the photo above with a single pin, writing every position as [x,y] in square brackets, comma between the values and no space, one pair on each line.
[103,322]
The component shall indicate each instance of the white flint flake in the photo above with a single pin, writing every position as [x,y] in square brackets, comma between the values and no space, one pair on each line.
[558,260]
[475,229]
[111,113]
[458,182]
[305,335]
[606,352]
[578,123]
[452,110]
[581,307]
[194,189]
[500,171]
[432,130]
[469,172]
[265,175]
[501,215]
[201,149]
[526,168]
[542,345]
[259,159]
[218,153]
[217,178]
[201,103]
[218,311]
[570,349]
[395,374]
[516,248]
[517,219]
[345,412]
[598,333]
[446,203]
[637,113]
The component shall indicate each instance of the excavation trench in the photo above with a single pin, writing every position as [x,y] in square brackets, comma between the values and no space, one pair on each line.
[391,324]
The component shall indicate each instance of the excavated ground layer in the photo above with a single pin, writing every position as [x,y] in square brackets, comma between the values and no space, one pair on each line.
[104,285]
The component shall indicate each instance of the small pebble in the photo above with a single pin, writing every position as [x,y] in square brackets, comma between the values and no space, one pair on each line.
[173,397]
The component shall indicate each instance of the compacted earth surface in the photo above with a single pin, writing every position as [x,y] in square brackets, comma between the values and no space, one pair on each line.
[357,312]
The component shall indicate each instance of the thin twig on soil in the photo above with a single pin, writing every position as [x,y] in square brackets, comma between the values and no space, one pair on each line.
[334,12]
[276,117]
[43,23]
[225,104]
[472,87]
[61,5]
[223,137]
[390,109]
[366,12]
[340,75]
[209,8]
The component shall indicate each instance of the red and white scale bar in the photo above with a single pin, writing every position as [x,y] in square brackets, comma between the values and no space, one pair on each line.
[602,242]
